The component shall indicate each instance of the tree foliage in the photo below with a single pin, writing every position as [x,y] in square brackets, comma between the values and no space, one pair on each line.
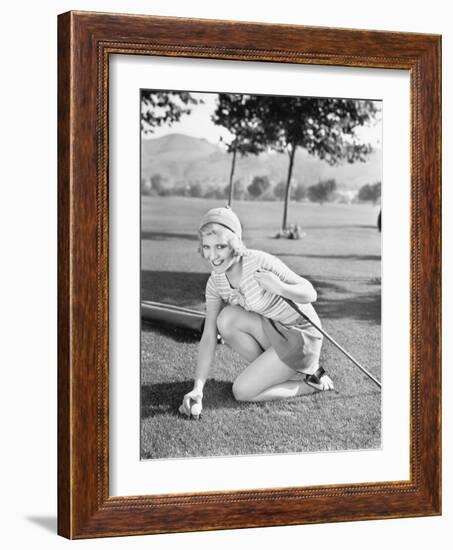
[279,190]
[324,127]
[158,108]
[238,113]
[300,192]
[157,182]
[195,190]
[322,191]
[370,192]
[239,190]
[259,185]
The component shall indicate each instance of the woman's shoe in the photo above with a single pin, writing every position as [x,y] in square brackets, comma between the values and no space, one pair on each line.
[319,380]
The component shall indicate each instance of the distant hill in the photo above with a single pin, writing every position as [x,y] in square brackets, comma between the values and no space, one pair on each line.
[182,159]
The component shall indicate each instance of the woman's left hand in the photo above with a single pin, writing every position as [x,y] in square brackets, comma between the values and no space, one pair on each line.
[269,281]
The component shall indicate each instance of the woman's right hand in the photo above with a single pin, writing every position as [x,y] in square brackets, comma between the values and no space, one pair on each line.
[190,399]
[206,351]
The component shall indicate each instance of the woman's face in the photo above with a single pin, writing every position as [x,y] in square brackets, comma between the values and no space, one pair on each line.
[217,252]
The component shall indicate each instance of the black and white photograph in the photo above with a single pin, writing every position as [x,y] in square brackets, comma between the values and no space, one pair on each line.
[192,228]
[260,274]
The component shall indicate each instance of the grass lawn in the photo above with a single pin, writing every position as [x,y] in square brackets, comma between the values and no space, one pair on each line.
[340,255]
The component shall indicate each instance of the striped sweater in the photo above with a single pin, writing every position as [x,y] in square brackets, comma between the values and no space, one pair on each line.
[251,296]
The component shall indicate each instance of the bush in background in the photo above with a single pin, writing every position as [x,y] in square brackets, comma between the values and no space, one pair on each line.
[323,191]
[370,193]
[259,185]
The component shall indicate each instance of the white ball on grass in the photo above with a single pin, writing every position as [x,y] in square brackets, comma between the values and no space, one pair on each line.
[195,410]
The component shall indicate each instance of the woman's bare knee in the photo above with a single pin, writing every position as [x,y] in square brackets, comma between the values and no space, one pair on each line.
[226,321]
[241,392]
[266,373]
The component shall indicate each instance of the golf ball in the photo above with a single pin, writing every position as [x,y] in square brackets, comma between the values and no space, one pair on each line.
[195,409]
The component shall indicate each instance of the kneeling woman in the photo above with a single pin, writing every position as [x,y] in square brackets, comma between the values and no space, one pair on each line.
[244,304]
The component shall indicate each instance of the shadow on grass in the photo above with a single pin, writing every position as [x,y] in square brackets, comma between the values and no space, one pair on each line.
[179,335]
[346,257]
[187,289]
[164,236]
[325,287]
[362,307]
[339,226]
[181,288]
[165,398]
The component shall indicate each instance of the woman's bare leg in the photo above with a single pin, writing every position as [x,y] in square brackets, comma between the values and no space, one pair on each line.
[243,331]
[267,378]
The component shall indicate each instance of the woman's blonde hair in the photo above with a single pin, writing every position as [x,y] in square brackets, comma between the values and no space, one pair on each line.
[234,242]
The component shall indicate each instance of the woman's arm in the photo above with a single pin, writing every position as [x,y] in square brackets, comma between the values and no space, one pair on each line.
[302,292]
[276,277]
[206,351]
[299,289]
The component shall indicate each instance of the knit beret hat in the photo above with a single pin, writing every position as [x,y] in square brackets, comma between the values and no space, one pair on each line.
[223,216]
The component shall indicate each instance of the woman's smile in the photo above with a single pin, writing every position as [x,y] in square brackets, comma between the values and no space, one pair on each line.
[218,252]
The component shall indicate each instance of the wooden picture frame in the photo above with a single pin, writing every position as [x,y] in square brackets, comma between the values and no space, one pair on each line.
[85,41]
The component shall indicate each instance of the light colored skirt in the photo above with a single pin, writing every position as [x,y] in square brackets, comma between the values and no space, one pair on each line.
[297,345]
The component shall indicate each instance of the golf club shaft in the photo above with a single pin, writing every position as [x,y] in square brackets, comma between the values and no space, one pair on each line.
[334,342]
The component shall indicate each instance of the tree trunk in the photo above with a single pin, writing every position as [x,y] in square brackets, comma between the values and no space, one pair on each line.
[292,153]
[231,185]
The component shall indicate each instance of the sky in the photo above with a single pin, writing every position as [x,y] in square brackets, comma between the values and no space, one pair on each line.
[198,124]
